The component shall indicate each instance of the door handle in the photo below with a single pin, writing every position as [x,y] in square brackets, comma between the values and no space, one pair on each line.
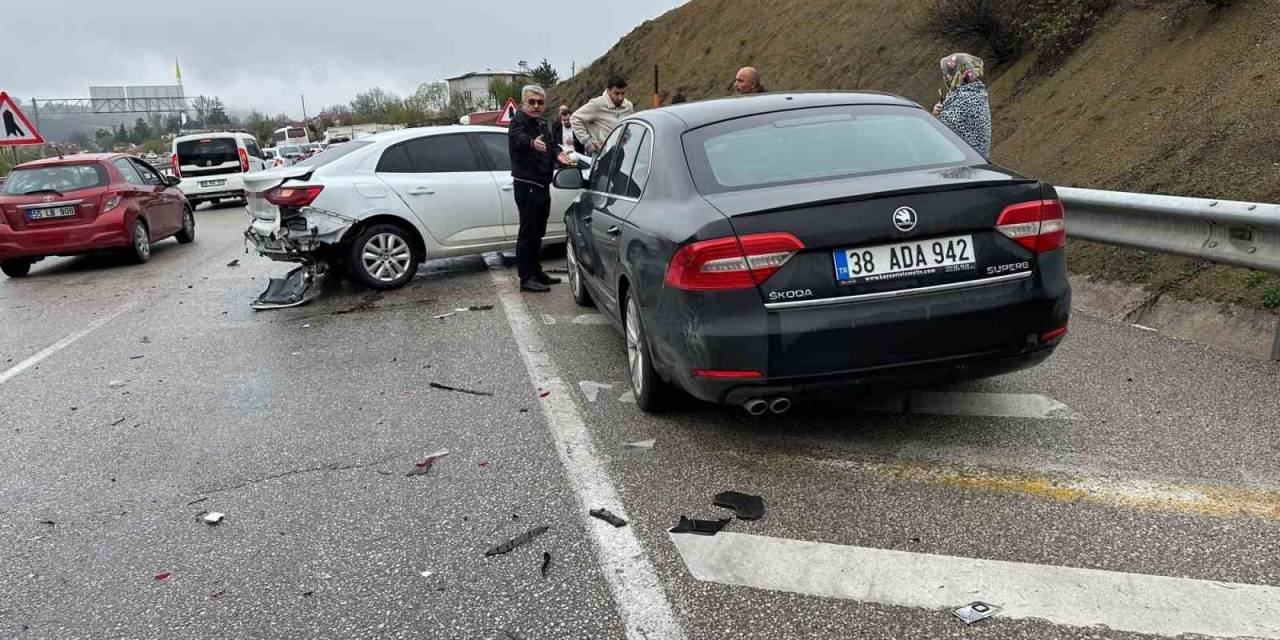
[614,230]
[421,191]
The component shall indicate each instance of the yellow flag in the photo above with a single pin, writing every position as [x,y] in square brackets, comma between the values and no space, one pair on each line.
[177,69]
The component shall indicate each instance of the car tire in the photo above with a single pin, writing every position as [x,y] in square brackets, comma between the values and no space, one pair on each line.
[577,286]
[187,233]
[15,268]
[382,257]
[653,394]
[139,250]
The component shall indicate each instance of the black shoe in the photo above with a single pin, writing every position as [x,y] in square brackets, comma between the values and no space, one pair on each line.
[546,279]
[533,286]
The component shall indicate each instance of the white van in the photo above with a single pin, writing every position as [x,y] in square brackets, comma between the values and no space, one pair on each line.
[290,136]
[212,165]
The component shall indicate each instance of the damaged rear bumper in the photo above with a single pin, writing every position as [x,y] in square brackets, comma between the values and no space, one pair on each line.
[300,237]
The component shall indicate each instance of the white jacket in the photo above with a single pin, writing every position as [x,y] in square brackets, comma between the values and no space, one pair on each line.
[595,120]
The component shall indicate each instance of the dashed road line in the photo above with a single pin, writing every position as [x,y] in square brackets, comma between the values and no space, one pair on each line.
[959,403]
[12,372]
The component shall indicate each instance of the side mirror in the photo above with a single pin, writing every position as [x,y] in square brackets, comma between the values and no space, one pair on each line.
[569,178]
[172,181]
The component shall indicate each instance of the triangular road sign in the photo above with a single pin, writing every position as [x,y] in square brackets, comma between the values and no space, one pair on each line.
[508,113]
[14,127]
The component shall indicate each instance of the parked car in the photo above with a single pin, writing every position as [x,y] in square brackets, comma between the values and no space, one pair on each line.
[212,165]
[84,203]
[288,155]
[757,249]
[382,205]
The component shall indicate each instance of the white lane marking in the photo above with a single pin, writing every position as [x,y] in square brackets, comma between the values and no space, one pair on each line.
[636,589]
[591,319]
[960,403]
[592,389]
[12,372]
[1062,595]
[628,397]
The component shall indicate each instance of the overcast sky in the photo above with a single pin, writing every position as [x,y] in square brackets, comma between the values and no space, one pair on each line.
[264,54]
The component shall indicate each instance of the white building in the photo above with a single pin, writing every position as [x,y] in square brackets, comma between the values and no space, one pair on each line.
[474,86]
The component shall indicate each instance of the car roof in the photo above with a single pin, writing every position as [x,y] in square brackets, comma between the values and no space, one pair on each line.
[71,159]
[213,134]
[400,135]
[704,112]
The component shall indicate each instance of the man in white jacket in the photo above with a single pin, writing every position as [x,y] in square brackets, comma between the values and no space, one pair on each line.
[595,120]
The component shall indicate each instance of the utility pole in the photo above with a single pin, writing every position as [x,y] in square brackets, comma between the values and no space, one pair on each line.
[304,108]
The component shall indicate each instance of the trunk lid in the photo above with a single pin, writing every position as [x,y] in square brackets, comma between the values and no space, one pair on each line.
[885,235]
[266,216]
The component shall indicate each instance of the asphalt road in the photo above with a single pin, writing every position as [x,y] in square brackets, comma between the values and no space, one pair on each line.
[136,397]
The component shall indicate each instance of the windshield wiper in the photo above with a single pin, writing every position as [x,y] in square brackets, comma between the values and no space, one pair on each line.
[31,193]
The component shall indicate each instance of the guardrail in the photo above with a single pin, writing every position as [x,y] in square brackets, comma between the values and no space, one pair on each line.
[1241,234]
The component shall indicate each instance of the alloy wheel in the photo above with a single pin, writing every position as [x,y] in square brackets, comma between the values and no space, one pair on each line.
[386,257]
[635,346]
[141,241]
[575,283]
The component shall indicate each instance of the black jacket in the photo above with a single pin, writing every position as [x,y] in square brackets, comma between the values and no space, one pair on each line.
[557,133]
[526,162]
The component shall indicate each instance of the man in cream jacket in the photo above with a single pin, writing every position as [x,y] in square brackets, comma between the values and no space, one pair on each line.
[594,121]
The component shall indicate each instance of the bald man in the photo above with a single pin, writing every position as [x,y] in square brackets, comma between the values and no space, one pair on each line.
[748,81]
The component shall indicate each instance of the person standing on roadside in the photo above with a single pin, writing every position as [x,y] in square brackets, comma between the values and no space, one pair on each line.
[595,120]
[534,153]
[747,81]
[965,108]
[562,131]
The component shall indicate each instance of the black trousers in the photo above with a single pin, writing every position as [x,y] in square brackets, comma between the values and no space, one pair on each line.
[534,203]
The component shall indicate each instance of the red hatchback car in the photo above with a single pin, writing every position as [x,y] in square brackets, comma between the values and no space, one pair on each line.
[85,203]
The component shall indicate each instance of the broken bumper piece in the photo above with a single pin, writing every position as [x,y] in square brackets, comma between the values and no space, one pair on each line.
[301,286]
[298,238]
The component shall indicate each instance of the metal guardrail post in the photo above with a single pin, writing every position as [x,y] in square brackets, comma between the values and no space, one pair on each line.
[1275,346]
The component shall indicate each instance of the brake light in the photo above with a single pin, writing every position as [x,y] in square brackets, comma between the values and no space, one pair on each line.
[293,196]
[1050,336]
[244,161]
[731,263]
[177,171]
[1039,226]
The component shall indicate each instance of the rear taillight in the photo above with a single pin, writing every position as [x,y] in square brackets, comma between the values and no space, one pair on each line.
[721,374]
[1050,336]
[244,161]
[1038,226]
[731,263]
[293,196]
[177,171]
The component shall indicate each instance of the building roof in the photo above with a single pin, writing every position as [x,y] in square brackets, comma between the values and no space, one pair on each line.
[490,72]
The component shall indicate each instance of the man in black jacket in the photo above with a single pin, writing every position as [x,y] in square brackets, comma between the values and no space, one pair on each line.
[534,153]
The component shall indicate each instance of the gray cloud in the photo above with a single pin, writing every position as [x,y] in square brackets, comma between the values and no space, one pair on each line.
[264,55]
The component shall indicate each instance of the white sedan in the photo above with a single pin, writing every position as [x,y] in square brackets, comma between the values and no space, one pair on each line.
[381,205]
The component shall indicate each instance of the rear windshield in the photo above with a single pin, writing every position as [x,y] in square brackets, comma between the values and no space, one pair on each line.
[208,152]
[333,153]
[810,145]
[289,152]
[60,179]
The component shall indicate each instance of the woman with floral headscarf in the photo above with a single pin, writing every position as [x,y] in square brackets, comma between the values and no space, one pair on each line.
[965,108]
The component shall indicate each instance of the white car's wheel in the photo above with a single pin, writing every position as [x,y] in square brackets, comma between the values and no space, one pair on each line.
[382,257]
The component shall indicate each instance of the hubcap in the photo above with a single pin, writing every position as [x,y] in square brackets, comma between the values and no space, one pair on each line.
[635,353]
[386,257]
[141,241]
[187,223]
[574,283]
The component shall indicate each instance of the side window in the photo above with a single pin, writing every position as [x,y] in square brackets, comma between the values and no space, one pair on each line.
[148,174]
[442,154]
[126,169]
[496,150]
[605,163]
[252,147]
[622,182]
[644,161]
[395,160]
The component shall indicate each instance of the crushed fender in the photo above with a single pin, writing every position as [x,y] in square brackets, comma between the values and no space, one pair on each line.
[300,286]
[608,516]
[745,506]
[521,539]
[700,527]
[445,387]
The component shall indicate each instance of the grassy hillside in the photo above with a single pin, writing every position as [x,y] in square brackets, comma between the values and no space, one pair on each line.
[1163,96]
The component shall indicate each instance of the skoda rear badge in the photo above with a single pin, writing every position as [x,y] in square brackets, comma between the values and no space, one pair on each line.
[904,219]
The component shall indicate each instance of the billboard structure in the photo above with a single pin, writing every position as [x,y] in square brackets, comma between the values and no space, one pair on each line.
[138,99]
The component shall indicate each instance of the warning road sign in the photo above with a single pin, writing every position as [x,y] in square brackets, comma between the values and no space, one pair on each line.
[17,129]
[508,113]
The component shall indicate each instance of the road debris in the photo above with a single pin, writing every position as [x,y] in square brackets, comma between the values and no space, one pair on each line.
[218,595]
[211,518]
[117,422]
[627,398]
[592,389]
[162,576]
[479,307]
[234,263]
[548,320]
[591,319]
[745,506]
[700,527]
[445,387]
[641,444]
[444,315]
[544,393]
[423,467]
[1144,328]
[114,384]
[546,563]
[608,516]
[197,501]
[136,357]
[975,611]
[425,574]
[48,522]
[484,463]
[521,539]
[308,594]
[145,340]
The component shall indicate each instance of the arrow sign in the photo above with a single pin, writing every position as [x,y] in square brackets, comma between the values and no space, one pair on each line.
[16,129]
[508,113]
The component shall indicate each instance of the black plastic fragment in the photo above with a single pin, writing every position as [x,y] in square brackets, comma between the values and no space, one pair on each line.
[480,307]
[445,387]
[700,527]
[546,563]
[521,539]
[607,516]
[745,506]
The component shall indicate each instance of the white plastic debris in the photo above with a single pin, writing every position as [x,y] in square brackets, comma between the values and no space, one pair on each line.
[975,611]
[1144,328]
[548,320]
[627,398]
[213,518]
[115,384]
[591,319]
[642,444]
[425,574]
[444,315]
[306,326]
[592,389]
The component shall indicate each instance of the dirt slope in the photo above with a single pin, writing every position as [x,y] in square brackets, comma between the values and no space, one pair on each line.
[1165,96]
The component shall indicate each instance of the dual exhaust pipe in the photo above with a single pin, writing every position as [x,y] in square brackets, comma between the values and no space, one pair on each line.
[758,406]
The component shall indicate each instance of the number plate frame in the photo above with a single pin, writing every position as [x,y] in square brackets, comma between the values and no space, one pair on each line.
[51,213]
[881,254]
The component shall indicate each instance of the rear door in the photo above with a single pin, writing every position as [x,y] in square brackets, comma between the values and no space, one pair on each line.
[169,202]
[208,160]
[150,201]
[442,179]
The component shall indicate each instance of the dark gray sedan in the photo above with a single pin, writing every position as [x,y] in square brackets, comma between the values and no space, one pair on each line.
[758,249]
